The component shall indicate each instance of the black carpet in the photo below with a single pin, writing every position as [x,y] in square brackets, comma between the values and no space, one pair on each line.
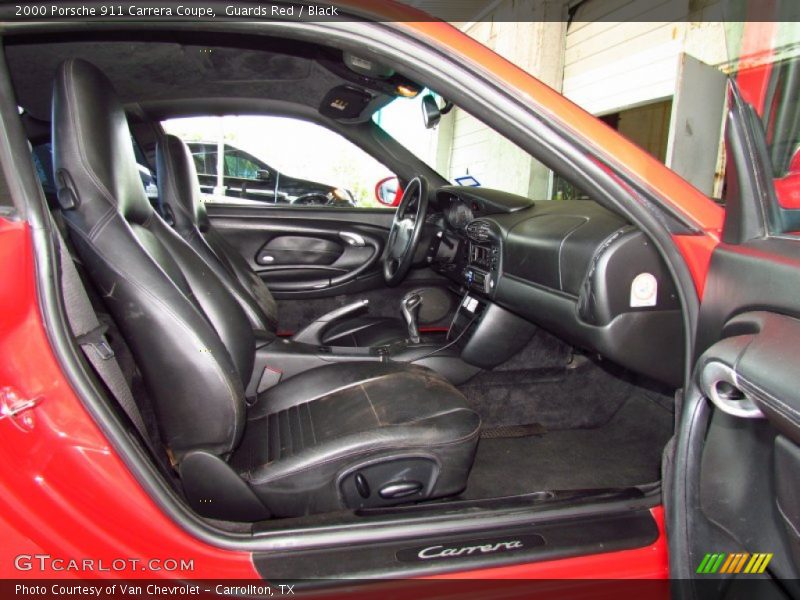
[594,424]
[625,451]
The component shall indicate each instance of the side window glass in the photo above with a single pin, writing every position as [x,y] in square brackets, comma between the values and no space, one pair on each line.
[145,174]
[43,161]
[42,155]
[237,165]
[781,118]
[769,81]
[205,158]
[278,160]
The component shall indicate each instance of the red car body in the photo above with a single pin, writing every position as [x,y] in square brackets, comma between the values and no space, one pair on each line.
[59,468]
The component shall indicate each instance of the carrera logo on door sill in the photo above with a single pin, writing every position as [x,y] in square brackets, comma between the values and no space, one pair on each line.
[470,548]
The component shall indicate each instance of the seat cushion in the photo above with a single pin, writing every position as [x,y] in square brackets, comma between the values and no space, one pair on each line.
[365,332]
[304,435]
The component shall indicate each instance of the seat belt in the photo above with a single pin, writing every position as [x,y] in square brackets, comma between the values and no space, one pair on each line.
[90,336]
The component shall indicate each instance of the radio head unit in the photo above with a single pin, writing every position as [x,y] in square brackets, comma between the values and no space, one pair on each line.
[481,267]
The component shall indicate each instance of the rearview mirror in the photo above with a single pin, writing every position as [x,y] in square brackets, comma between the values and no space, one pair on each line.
[431,114]
[388,191]
[262,175]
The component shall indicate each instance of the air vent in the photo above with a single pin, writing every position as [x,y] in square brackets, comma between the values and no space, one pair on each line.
[479,231]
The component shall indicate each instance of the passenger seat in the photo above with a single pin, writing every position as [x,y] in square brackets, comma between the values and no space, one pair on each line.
[343,436]
[179,193]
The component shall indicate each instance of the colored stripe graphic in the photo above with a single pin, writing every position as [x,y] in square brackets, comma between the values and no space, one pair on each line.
[752,563]
[718,563]
[760,564]
[739,562]
[727,565]
[711,563]
[703,564]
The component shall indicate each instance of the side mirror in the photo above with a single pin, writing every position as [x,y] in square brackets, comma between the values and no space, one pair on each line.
[794,164]
[388,191]
[262,175]
[431,115]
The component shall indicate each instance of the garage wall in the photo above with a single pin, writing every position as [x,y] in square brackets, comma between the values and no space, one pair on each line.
[648,127]
[613,55]
[607,56]
[616,65]
[531,35]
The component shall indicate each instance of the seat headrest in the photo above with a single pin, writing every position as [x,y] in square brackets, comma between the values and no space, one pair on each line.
[93,160]
[178,186]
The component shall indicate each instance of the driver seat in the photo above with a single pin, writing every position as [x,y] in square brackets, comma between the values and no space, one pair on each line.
[342,436]
[179,195]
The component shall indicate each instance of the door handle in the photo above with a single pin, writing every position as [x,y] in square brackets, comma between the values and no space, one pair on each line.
[721,385]
[352,239]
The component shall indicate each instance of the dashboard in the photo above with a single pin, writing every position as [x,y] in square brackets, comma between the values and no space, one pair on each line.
[571,267]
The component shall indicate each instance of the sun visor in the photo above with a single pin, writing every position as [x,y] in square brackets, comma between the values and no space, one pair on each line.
[344,102]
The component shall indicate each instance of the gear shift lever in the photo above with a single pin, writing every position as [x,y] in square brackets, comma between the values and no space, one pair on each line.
[410,305]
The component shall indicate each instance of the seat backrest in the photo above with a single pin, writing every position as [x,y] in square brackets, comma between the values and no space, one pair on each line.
[179,193]
[190,338]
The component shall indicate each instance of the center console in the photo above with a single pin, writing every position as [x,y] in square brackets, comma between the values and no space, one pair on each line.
[278,359]
[483,257]
[481,335]
[480,274]
[486,334]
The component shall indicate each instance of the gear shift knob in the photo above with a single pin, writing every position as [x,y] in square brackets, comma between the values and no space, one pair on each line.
[410,305]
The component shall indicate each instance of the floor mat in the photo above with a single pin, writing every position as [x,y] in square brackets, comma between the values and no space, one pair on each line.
[555,397]
[513,431]
[625,451]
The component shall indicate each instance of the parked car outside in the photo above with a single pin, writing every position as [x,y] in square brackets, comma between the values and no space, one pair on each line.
[247,177]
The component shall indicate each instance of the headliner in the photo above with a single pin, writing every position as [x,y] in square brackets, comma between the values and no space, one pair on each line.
[171,78]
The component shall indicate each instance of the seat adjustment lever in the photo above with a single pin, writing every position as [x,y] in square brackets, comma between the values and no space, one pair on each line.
[400,489]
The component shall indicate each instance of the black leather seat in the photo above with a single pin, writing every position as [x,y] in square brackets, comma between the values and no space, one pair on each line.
[324,422]
[348,435]
[179,194]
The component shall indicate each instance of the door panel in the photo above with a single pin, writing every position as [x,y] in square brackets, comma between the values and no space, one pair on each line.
[316,251]
[748,461]
[314,256]
[735,465]
[763,370]
[317,259]
[733,504]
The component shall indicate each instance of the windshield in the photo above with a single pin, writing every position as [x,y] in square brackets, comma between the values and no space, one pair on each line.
[465,151]
[402,119]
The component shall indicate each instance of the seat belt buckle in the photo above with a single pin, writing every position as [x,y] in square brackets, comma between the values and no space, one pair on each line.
[95,339]
[102,348]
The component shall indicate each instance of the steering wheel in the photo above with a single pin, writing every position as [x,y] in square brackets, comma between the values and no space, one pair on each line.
[405,232]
